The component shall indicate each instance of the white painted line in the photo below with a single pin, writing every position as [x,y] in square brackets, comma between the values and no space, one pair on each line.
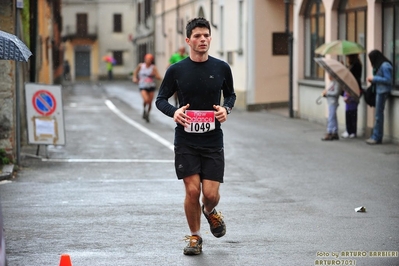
[143,129]
[106,161]
[5,182]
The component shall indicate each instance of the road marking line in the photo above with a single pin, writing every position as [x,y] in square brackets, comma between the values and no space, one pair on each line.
[106,160]
[143,129]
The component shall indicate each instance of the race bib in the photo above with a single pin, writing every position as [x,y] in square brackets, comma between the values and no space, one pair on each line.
[201,121]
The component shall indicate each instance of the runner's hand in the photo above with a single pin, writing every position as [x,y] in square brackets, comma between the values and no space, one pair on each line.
[180,116]
[221,113]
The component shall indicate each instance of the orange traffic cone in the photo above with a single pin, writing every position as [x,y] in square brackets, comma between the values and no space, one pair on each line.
[65,260]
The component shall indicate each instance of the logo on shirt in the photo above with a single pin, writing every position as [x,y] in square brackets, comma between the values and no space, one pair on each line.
[211,76]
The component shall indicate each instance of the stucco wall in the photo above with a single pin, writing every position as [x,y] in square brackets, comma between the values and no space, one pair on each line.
[271,83]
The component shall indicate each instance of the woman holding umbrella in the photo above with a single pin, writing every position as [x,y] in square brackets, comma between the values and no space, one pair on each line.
[382,82]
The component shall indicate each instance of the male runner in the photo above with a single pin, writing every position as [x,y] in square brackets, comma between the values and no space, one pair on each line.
[199,81]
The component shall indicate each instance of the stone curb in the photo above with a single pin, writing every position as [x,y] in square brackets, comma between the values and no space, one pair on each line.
[6,172]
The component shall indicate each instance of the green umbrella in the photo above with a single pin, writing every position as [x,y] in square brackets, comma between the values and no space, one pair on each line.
[340,47]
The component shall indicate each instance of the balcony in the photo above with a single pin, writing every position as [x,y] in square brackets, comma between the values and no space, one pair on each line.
[72,33]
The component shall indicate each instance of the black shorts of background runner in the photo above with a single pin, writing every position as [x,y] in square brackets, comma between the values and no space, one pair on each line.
[207,162]
[148,89]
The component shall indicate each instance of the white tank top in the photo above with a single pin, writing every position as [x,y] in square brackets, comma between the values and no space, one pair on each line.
[146,77]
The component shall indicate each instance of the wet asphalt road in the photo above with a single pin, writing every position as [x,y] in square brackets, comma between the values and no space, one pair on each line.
[110,195]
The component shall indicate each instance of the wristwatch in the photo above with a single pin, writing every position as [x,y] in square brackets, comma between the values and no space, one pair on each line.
[228,109]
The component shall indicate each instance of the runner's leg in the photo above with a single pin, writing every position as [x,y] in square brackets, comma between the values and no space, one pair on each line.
[192,206]
[150,99]
[210,192]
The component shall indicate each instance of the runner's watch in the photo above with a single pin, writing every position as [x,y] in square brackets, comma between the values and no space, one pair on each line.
[228,109]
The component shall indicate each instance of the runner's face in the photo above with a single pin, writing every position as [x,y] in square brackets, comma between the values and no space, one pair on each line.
[200,40]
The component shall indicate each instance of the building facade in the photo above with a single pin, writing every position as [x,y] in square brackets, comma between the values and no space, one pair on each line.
[373,24]
[39,25]
[98,28]
[251,35]
[242,35]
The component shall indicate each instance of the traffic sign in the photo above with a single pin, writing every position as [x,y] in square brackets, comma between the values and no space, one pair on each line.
[44,112]
[44,102]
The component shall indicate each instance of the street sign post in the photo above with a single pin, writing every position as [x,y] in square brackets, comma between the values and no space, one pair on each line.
[44,114]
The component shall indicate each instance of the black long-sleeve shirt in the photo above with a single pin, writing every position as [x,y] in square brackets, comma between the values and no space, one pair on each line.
[201,85]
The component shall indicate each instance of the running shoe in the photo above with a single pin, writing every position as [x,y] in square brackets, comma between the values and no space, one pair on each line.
[215,220]
[194,246]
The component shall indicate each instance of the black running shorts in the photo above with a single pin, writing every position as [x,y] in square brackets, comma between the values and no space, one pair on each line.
[151,89]
[207,162]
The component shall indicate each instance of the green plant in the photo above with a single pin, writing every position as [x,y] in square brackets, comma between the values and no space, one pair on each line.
[3,157]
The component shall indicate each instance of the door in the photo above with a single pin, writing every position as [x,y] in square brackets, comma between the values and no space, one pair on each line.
[82,64]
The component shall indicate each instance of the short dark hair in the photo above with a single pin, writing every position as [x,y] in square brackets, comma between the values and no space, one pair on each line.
[195,23]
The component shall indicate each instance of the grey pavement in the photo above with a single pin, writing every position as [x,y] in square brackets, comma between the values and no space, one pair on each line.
[110,195]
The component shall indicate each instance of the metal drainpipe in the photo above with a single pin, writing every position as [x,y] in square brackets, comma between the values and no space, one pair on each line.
[290,53]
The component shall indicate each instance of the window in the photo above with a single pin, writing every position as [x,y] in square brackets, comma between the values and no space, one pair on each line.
[117,22]
[81,24]
[353,26]
[142,50]
[201,13]
[139,13]
[147,9]
[315,35]
[390,24]
[118,56]
[240,27]
[221,32]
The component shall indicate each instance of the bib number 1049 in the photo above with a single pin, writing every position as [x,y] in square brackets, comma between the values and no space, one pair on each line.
[201,121]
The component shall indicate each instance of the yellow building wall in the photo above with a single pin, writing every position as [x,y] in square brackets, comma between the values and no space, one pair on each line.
[44,43]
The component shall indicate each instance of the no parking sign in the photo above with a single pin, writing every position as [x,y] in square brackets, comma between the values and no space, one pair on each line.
[44,114]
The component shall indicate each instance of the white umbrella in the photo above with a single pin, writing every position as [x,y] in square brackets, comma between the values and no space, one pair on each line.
[12,48]
[341,74]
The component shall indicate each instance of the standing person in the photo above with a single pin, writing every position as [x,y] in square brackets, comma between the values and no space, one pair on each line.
[383,82]
[332,93]
[67,70]
[145,75]
[199,154]
[177,57]
[355,67]
[110,67]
